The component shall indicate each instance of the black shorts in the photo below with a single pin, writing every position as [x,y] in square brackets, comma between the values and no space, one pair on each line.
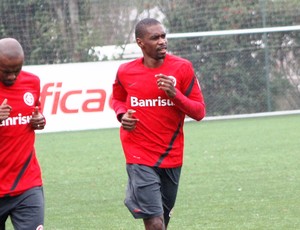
[151,191]
[26,210]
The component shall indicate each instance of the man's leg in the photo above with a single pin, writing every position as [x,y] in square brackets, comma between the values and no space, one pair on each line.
[143,196]
[4,211]
[3,219]
[169,187]
[28,213]
[154,223]
[169,181]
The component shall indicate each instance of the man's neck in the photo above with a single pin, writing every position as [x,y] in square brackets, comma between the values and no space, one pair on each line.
[152,63]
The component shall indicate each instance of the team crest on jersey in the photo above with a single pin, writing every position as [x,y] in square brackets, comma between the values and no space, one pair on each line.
[28,99]
[173,80]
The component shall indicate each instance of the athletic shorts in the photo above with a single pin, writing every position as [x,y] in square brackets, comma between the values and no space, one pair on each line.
[26,211]
[151,191]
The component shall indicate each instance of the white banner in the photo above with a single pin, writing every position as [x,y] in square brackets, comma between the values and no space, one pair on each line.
[77,96]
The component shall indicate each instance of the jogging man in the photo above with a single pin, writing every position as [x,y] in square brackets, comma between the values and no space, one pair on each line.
[21,193]
[151,97]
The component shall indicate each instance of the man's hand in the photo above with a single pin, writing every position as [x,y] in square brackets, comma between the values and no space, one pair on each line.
[37,121]
[167,84]
[128,121]
[4,110]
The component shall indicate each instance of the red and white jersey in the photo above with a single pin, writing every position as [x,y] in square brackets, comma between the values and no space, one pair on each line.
[157,139]
[19,168]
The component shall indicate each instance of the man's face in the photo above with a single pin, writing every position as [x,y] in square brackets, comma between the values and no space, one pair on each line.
[9,70]
[154,43]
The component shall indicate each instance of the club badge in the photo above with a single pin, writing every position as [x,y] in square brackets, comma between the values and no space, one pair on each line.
[28,99]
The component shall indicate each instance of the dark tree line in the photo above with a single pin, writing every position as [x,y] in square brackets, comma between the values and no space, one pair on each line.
[240,73]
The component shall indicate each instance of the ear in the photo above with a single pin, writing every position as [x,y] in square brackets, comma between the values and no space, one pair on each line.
[139,42]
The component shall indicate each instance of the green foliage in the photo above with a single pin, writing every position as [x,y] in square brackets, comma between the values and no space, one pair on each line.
[233,70]
[48,30]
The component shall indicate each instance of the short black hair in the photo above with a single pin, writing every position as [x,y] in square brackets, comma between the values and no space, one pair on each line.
[141,25]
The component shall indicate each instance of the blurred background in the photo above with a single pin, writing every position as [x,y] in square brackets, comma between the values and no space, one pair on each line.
[252,68]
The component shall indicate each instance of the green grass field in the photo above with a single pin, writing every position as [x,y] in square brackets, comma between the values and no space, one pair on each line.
[237,174]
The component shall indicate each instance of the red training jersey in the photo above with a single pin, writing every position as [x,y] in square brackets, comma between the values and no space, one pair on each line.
[157,139]
[19,167]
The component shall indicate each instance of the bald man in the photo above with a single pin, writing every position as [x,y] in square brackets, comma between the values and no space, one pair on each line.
[21,191]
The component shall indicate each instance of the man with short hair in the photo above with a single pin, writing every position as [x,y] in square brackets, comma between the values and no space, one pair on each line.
[151,97]
[21,192]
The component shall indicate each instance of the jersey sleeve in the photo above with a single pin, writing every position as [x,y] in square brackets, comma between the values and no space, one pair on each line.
[190,98]
[38,93]
[119,97]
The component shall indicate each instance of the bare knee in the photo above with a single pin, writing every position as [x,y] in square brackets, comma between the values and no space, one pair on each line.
[155,223]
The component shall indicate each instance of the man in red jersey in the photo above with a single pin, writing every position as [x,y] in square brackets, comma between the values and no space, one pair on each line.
[21,193]
[151,97]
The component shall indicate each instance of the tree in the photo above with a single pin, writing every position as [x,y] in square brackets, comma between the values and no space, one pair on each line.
[232,69]
[62,31]
[50,31]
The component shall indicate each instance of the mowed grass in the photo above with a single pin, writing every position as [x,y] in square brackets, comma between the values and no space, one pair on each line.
[237,174]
